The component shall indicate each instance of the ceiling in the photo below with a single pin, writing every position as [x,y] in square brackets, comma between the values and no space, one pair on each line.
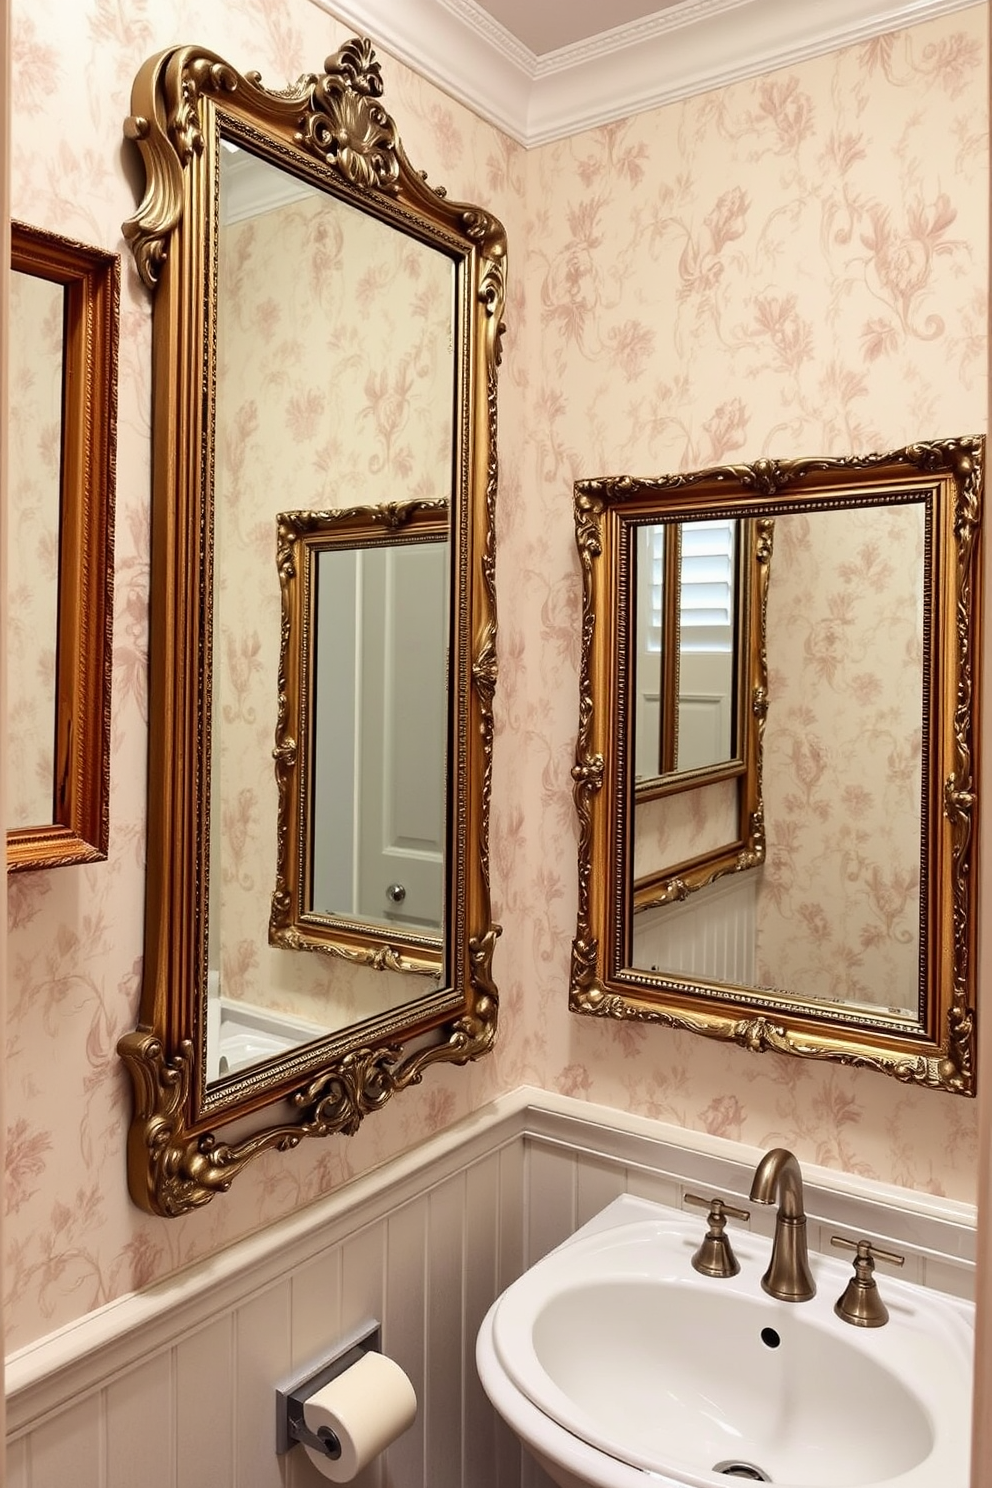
[544,69]
[548,25]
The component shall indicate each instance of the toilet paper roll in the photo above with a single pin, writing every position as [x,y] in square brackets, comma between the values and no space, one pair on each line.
[367,1407]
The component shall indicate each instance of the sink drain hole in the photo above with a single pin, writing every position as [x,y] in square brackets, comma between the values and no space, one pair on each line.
[742,1470]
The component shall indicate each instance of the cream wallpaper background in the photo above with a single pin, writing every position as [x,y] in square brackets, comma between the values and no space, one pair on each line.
[793,265]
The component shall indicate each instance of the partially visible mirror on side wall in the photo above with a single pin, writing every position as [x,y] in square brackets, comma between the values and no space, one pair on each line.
[326,334]
[850,934]
[62,378]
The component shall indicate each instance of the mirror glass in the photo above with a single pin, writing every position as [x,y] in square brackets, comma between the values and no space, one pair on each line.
[836,907]
[326,330]
[34,470]
[848,935]
[688,635]
[335,377]
[62,376]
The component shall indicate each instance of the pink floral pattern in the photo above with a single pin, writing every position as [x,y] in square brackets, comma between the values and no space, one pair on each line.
[793,265]
[839,896]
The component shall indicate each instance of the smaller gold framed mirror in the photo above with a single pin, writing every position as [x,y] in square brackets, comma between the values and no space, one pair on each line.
[361,737]
[844,927]
[63,332]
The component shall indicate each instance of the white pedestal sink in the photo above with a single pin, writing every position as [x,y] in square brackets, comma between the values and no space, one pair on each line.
[619,1366]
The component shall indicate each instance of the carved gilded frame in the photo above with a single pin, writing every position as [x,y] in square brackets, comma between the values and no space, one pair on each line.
[745,847]
[937,1050]
[80,827]
[332,130]
[294,924]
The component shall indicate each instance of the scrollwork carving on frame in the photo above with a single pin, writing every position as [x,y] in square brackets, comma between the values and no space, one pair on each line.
[935,1049]
[331,132]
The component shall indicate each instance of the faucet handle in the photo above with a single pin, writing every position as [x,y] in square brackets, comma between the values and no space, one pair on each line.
[716,1205]
[715,1256]
[861,1303]
[874,1251]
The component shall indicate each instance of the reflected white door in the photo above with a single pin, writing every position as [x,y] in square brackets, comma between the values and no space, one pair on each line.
[403,710]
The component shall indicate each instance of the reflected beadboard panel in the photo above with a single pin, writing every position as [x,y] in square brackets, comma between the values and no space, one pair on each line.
[180,1393]
[711,935]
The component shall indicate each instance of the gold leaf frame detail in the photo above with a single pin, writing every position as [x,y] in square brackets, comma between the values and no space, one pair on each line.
[80,829]
[940,1052]
[332,130]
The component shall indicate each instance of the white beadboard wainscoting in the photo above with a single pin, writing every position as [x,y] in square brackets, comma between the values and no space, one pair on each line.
[174,1387]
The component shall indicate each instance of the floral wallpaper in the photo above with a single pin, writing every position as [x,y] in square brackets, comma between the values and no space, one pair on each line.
[793,265]
[34,464]
[839,894]
[351,359]
[670,830]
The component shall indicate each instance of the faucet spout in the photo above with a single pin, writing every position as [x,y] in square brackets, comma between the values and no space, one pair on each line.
[778,1175]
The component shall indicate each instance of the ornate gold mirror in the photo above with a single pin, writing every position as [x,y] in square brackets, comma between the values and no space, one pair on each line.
[64,305]
[326,331]
[849,936]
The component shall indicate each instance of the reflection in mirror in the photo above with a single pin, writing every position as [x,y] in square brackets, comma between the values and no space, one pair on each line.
[35,328]
[704,816]
[62,373]
[378,805]
[334,339]
[688,640]
[852,938]
[361,743]
[326,335]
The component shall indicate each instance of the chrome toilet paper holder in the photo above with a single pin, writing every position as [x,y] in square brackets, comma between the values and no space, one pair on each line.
[291,1398]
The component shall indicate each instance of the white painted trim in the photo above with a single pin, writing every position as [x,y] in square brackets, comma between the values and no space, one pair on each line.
[45,1376]
[438,45]
[690,48]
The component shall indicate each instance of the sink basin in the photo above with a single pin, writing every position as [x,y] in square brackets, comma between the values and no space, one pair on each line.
[613,1359]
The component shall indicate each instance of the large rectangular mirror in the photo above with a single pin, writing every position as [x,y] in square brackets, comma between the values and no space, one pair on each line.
[326,332]
[851,935]
[62,376]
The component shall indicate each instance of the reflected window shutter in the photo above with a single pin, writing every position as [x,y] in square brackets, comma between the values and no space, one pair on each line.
[707,593]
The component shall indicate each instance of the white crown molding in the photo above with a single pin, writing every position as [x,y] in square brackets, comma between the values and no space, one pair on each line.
[690,48]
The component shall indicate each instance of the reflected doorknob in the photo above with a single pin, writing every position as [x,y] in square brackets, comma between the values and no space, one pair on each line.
[396,893]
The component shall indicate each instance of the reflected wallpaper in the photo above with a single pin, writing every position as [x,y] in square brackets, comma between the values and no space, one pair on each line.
[794,264]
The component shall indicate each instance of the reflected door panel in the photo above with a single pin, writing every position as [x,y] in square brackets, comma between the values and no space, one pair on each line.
[379,773]
[401,795]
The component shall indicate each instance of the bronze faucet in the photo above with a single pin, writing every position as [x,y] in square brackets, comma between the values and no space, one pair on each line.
[788,1276]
